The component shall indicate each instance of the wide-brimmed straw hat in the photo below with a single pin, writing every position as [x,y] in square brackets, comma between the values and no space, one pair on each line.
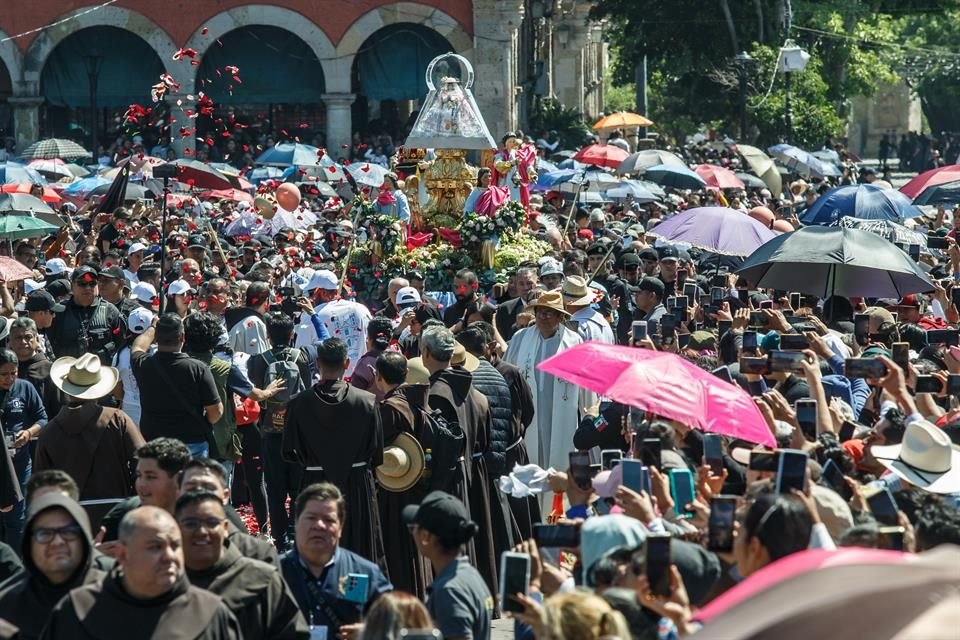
[552,300]
[576,293]
[403,464]
[463,358]
[925,458]
[83,378]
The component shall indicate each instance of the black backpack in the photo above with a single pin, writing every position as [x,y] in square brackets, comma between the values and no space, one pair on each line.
[444,446]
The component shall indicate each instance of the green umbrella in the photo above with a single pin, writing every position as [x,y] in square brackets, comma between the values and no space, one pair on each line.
[18,227]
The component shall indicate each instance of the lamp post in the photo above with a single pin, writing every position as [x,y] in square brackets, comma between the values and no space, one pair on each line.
[93,62]
[792,58]
[743,60]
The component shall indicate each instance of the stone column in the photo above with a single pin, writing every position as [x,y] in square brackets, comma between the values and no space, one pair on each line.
[178,113]
[494,59]
[339,122]
[570,46]
[26,119]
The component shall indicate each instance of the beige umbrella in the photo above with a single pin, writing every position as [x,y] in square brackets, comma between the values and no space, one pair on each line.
[762,165]
[875,601]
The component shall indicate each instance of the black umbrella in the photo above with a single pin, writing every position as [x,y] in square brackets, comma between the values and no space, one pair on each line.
[828,261]
[133,192]
[116,192]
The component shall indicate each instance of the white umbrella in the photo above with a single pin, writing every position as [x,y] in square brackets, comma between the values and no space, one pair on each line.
[367,173]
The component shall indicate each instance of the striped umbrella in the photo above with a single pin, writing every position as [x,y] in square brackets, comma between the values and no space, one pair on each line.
[55,148]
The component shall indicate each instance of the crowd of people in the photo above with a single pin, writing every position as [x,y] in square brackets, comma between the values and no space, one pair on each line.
[223,442]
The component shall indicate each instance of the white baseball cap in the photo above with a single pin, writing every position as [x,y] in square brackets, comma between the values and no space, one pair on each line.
[139,320]
[56,266]
[136,246]
[179,286]
[322,279]
[144,292]
[408,296]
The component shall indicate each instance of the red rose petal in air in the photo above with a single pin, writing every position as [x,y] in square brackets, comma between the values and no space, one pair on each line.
[195,63]
[365,168]
[332,169]
[344,146]
[204,31]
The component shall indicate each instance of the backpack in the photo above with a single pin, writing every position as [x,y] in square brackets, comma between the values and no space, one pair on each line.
[446,444]
[287,371]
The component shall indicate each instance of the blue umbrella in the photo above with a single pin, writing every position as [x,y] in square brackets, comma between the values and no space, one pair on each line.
[631,189]
[799,161]
[863,201]
[551,178]
[83,187]
[289,154]
[16,173]
[669,175]
[546,165]
[259,174]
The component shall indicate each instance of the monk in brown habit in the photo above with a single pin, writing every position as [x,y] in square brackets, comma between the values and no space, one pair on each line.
[333,431]
[148,595]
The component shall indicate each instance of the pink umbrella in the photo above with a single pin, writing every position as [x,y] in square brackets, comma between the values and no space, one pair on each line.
[718,177]
[227,194]
[791,566]
[662,383]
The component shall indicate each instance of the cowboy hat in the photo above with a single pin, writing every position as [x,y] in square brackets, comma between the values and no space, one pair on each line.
[83,378]
[403,464]
[576,293]
[416,372]
[552,300]
[925,458]
[463,358]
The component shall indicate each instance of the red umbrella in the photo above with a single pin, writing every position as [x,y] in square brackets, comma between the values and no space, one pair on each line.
[200,175]
[650,380]
[718,177]
[11,270]
[227,194]
[931,178]
[601,155]
[49,195]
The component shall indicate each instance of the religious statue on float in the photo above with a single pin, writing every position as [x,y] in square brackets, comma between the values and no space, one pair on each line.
[514,167]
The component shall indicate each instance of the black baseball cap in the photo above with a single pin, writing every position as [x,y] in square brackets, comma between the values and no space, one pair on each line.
[629,260]
[113,272]
[649,253]
[669,253]
[85,270]
[196,240]
[650,284]
[442,515]
[41,300]
[58,288]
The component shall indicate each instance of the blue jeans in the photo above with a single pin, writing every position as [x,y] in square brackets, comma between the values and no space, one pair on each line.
[198,449]
[12,521]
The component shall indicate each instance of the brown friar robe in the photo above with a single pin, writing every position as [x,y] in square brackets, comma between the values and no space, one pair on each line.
[401,412]
[257,595]
[106,611]
[95,445]
[333,431]
[452,393]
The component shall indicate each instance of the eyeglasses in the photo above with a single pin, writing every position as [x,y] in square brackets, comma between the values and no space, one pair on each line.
[194,524]
[69,533]
[87,283]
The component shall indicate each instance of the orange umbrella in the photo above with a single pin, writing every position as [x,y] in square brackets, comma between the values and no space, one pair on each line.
[622,119]
[49,195]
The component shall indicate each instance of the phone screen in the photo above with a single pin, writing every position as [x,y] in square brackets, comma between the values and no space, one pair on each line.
[639,329]
[864,368]
[847,429]
[883,507]
[723,373]
[722,512]
[807,416]
[953,384]
[901,354]
[928,384]
[764,460]
[609,458]
[793,342]
[681,487]
[632,474]
[786,361]
[943,336]
[657,563]
[756,366]
[717,294]
[890,538]
[833,478]
[580,469]
[563,536]
[794,301]
[861,328]
[690,291]
[750,341]
[713,453]
[681,279]
[514,579]
[791,471]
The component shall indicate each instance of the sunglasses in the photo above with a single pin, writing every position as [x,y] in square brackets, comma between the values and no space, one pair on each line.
[87,283]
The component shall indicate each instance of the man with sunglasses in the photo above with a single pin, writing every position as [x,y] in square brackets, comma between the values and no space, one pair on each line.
[57,554]
[88,323]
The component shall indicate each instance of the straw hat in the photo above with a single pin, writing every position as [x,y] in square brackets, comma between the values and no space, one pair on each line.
[83,378]
[463,358]
[552,300]
[416,372]
[403,464]
[576,293]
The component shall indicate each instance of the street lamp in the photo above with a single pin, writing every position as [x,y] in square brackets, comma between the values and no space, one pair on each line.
[743,61]
[792,58]
[93,62]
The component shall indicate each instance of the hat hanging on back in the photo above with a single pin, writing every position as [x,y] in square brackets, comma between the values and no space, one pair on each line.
[403,464]
[83,378]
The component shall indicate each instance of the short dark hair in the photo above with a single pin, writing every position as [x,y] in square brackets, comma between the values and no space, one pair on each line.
[279,328]
[205,464]
[489,334]
[780,522]
[322,491]
[936,526]
[392,367]
[7,356]
[171,454]
[257,293]
[169,330]
[195,497]
[52,478]
[201,332]
[472,340]
[467,276]
[379,331]
[332,354]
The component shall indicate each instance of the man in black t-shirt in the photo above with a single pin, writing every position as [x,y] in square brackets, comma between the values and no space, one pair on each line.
[178,394]
[87,323]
